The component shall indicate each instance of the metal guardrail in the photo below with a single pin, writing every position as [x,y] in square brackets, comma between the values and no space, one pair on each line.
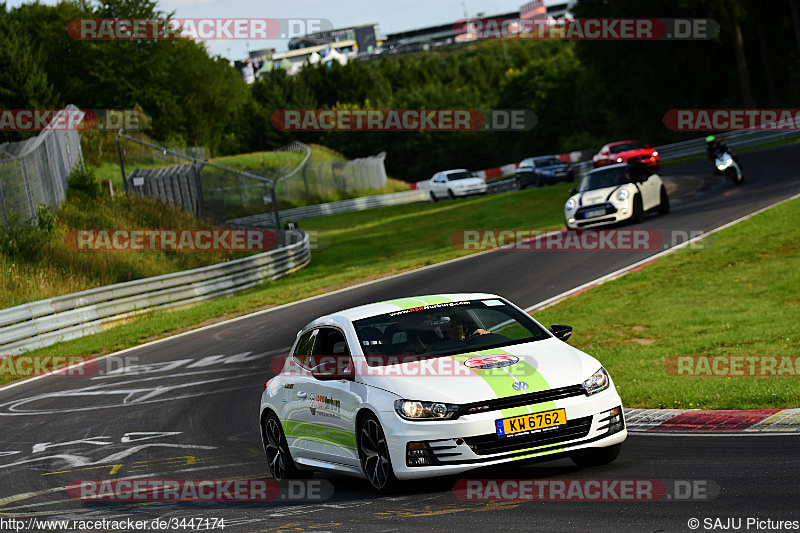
[267,220]
[45,322]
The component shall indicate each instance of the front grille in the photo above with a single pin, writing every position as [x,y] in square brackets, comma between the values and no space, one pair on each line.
[492,444]
[607,206]
[548,395]
[595,221]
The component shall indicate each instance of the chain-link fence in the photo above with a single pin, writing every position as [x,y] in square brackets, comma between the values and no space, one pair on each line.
[221,193]
[35,171]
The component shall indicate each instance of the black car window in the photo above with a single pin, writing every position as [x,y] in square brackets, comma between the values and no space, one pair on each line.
[303,348]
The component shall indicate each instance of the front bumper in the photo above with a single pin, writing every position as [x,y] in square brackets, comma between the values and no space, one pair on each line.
[613,212]
[471,442]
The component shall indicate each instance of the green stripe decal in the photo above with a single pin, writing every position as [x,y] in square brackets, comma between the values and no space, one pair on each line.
[410,303]
[319,432]
[502,379]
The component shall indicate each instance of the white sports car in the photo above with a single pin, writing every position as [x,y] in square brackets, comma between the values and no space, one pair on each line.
[435,385]
[615,193]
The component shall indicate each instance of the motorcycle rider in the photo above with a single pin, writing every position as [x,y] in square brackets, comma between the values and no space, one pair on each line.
[714,147]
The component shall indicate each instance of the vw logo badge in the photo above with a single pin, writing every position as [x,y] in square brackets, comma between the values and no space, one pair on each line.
[520,386]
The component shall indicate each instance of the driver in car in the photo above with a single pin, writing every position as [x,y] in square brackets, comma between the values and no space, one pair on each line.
[456,329]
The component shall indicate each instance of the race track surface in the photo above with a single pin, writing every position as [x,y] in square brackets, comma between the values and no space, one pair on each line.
[187,408]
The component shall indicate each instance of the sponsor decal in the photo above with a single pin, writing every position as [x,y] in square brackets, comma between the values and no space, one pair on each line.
[492,361]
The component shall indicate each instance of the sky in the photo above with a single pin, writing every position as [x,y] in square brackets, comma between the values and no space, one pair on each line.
[391,15]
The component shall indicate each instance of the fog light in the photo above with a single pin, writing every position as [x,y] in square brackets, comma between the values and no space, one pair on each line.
[418,454]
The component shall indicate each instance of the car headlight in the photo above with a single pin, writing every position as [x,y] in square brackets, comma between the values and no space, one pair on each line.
[416,410]
[598,382]
[571,204]
[726,164]
[622,195]
[655,153]
[619,160]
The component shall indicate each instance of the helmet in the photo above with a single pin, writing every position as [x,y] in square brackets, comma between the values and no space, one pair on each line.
[710,139]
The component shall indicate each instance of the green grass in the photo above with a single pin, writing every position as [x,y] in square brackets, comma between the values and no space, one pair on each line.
[737,295]
[363,245]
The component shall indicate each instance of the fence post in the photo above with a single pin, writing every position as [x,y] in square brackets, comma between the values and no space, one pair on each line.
[279,233]
[3,206]
[305,180]
[121,164]
[28,193]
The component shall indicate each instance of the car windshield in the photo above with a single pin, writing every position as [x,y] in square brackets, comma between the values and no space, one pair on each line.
[460,175]
[602,178]
[624,147]
[526,163]
[444,329]
[547,161]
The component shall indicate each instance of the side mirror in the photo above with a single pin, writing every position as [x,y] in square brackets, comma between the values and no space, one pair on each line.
[561,331]
[332,367]
[573,191]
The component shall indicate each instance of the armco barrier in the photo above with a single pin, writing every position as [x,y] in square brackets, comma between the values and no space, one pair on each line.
[45,322]
[267,220]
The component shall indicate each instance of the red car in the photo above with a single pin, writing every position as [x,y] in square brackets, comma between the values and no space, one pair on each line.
[626,152]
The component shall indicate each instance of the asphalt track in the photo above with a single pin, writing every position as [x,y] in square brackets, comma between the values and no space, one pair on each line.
[186,408]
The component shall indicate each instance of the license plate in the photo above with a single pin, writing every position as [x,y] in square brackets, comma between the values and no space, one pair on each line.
[594,213]
[516,425]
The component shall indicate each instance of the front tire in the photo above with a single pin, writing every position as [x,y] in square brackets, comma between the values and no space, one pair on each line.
[520,184]
[279,459]
[433,197]
[638,210]
[663,207]
[373,451]
[597,456]
[450,194]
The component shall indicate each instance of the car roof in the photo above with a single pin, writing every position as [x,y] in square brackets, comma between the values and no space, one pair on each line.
[452,171]
[399,304]
[624,142]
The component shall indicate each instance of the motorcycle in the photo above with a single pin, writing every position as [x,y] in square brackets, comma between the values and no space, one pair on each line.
[728,166]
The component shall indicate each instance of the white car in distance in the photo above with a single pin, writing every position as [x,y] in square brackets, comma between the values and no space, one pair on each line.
[614,193]
[453,183]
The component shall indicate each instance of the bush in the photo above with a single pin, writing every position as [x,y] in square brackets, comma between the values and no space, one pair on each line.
[82,182]
[26,240]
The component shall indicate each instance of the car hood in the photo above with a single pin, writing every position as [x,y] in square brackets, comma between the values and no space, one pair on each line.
[542,365]
[598,196]
[633,153]
[554,167]
[467,182]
